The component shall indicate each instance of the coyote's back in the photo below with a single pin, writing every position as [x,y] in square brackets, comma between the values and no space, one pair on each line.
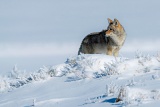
[107,41]
[94,43]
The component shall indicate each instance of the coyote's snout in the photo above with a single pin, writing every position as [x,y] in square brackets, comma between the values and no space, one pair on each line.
[107,41]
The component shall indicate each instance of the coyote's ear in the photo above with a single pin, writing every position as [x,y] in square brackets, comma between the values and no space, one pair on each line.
[109,20]
[116,22]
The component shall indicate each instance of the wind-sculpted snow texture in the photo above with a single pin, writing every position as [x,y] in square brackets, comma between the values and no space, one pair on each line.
[86,80]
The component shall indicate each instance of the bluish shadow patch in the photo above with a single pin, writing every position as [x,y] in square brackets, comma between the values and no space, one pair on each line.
[112,100]
[70,79]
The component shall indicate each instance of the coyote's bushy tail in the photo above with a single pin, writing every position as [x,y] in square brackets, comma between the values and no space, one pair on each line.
[80,50]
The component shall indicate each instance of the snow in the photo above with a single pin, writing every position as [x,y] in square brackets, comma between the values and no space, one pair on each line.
[86,80]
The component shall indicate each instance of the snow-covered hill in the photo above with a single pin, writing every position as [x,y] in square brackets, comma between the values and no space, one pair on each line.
[87,81]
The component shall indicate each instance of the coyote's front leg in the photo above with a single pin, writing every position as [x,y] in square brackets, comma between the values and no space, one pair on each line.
[109,51]
[116,52]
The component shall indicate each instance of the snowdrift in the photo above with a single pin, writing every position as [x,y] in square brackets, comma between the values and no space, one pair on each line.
[103,81]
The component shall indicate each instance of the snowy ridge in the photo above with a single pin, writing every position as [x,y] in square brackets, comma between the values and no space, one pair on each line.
[127,81]
[79,67]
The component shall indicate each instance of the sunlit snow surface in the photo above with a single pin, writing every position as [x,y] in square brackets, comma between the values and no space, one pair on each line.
[87,81]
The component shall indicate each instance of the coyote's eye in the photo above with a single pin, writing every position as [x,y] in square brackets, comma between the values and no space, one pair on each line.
[111,29]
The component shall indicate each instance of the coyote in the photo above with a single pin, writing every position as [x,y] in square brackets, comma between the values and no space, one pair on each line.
[107,41]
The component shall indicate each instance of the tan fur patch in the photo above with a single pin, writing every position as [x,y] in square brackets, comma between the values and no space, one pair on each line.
[119,27]
[109,50]
[109,20]
[108,32]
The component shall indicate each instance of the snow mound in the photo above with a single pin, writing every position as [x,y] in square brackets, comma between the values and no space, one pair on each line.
[127,81]
[86,66]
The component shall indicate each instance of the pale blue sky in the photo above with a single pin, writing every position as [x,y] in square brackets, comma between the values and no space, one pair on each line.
[70,20]
[52,28]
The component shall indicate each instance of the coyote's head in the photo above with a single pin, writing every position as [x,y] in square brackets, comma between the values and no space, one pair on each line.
[114,28]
